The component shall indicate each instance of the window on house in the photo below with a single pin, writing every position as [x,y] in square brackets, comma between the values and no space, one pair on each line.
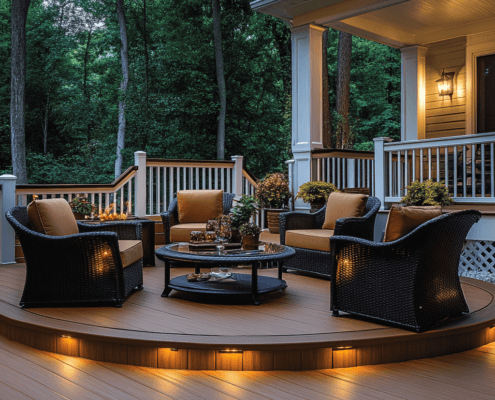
[486,94]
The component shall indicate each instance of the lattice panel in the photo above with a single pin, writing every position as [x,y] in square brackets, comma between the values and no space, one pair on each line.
[478,260]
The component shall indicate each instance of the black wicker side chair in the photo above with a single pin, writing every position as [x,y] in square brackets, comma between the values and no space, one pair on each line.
[319,261]
[83,269]
[411,282]
[170,218]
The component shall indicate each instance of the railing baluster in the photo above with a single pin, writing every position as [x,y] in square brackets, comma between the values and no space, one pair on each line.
[473,171]
[338,173]
[438,164]
[165,188]
[464,172]
[210,186]
[429,163]
[446,160]
[184,178]
[390,172]
[150,190]
[158,190]
[99,203]
[454,177]
[492,178]
[333,171]
[222,175]
[421,160]
[399,174]
[413,166]
[177,174]
[129,197]
[203,178]
[482,170]
[229,172]
[171,185]
[197,177]
[122,200]
[318,169]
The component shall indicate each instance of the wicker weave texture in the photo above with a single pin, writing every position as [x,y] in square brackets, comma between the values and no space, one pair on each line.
[81,269]
[319,262]
[412,282]
[171,217]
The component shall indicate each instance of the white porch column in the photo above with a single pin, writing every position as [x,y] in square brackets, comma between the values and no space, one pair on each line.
[140,185]
[381,172]
[413,84]
[7,201]
[237,175]
[307,111]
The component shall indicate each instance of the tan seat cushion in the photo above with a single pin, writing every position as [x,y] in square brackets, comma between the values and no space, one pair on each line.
[52,217]
[130,251]
[312,239]
[182,232]
[403,220]
[343,205]
[199,205]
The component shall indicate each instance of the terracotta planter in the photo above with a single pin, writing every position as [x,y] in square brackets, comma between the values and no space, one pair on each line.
[317,205]
[78,216]
[272,215]
[250,242]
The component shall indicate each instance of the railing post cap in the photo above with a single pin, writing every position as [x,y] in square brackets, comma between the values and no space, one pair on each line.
[383,139]
[139,153]
[8,177]
[290,161]
[232,157]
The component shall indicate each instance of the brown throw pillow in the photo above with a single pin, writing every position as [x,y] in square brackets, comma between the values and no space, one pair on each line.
[199,205]
[52,217]
[403,220]
[342,205]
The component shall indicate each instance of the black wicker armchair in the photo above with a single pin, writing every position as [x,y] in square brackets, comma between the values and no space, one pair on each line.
[76,270]
[316,261]
[171,217]
[412,282]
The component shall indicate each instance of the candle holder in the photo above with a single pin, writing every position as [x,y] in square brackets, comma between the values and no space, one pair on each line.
[197,236]
[210,236]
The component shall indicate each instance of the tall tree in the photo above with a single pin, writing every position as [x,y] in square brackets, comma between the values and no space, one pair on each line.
[217,40]
[327,115]
[18,87]
[123,86]
[343,134]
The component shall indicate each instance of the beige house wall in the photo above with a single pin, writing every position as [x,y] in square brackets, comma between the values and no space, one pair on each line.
[446,116]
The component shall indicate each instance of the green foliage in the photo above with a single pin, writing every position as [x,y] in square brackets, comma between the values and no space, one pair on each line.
[315,191]
[249,229]
[82,205]
[243,210]
[427,193]
[273,191]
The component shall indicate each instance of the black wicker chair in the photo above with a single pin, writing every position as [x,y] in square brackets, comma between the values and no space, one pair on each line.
[171,217]
[412,282]
[319,262]
[76,270]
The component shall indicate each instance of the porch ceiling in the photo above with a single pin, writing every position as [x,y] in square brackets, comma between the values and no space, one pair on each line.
[396,23]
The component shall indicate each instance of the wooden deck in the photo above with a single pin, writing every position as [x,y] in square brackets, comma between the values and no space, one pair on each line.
[26,373]
[290,330]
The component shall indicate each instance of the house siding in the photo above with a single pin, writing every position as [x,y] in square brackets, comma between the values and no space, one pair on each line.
[445,116]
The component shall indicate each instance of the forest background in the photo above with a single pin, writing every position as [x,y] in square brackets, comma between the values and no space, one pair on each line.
[74,74]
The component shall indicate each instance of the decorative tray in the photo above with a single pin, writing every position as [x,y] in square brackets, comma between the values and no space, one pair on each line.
[211,246]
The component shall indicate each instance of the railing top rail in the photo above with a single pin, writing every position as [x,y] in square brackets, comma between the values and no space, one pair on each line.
[341,153]
[441,142]
[61,187]
[163,162]
[250,177]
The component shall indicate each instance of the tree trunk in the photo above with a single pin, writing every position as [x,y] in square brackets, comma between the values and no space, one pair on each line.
[217,40]
[45,125]
[327,116]
[123,86]
[18,89]
[343,134]
[146,73]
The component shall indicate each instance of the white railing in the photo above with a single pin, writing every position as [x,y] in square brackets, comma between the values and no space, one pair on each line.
[118,193]
[466,165]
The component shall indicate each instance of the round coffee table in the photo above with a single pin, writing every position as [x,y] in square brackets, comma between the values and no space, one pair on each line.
[238,284]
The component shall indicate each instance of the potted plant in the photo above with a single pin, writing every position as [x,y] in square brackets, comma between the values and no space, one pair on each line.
[242,211]
[427,193]
[81,206]
[250,236]
[316,193]
[274,194]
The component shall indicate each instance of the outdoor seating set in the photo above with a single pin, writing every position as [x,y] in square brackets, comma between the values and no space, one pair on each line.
[410,279]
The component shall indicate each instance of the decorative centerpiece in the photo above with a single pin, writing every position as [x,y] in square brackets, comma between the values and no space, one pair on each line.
[81,207]
[250,236]
[107,215]
[274,194]
[316,193]
[210,236]
[427,193]
[197,236]
[243,210]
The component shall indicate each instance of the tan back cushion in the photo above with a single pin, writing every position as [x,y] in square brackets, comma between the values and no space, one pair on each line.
[343,205]
[403,220]
[52,217]
[199,205]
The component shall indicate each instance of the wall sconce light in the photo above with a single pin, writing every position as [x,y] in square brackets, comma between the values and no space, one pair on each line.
[446,84]
[231,351]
